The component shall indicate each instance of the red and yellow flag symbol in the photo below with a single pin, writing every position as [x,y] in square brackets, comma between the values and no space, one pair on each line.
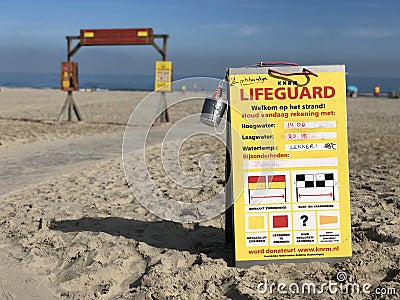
[257,182]
[276,182]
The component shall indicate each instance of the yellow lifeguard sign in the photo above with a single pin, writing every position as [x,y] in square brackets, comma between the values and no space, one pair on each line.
[290,188]
[163,79]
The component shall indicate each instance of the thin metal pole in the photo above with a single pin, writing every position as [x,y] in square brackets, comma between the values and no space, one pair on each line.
[229,217]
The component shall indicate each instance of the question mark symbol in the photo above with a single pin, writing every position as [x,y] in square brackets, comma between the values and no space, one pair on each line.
[305,219]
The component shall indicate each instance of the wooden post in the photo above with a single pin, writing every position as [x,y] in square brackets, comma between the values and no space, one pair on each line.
[165,37]
[164,117]
[69,104]
[69,47]
[70,107]
[63,110]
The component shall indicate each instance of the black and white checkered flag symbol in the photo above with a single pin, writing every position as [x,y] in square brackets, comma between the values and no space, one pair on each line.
[321,180]
[314,186]
[305,181]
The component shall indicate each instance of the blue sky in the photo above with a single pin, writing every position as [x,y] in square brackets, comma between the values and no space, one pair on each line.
[205,36]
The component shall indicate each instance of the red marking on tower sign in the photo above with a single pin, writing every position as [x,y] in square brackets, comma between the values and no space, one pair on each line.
[128,36]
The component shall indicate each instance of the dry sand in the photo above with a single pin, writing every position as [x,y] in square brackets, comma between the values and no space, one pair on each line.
[28,115]
[83,235]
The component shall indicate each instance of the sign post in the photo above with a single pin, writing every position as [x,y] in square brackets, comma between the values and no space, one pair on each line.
[69,83]
[163,84]
[290,189]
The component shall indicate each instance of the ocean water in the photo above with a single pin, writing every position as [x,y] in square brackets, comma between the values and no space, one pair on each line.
[102,81]
[146,82]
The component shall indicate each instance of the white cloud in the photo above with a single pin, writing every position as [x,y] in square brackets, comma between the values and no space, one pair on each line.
[247,30]
[238,30]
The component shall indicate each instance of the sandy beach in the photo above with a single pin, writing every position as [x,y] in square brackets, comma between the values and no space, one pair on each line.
[79,233]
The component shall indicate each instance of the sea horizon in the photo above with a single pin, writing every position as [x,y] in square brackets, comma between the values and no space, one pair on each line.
[145,82]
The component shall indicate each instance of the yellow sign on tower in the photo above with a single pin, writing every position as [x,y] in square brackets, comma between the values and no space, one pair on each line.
[162,82]
[290,187]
